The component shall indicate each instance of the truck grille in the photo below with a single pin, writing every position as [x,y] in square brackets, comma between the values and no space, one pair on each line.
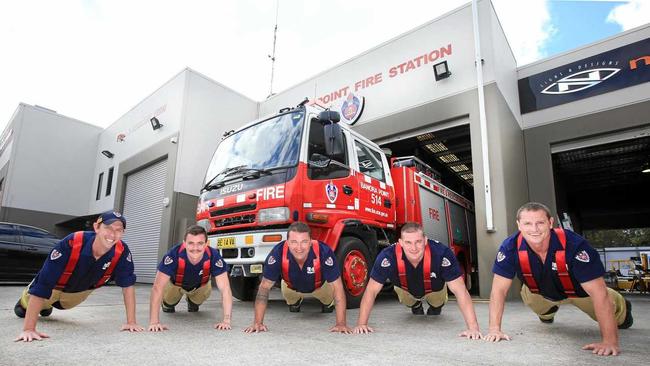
[231,210]
[235,220]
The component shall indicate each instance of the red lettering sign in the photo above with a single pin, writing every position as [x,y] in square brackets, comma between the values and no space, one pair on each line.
[402,68]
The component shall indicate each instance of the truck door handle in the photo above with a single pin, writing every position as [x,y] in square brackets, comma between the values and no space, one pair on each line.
[347,190]
[387,203]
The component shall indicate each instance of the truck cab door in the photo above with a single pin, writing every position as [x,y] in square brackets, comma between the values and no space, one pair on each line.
[330,186]
[376,196]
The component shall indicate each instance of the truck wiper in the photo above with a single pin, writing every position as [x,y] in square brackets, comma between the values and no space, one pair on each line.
[209,186]
[254,173]
[250,173]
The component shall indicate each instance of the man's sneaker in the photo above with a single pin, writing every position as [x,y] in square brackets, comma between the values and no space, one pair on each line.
[19,310]
[192,307]
[295,308]
[168,308]
[46,312]
[628,316]
[327,308]
[434,310]
[550,311]
[417,309]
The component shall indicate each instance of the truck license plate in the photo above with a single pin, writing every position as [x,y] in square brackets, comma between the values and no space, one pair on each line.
[256,268]
[226,243]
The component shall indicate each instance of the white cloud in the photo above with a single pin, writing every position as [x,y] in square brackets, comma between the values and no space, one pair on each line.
[630,15]
[95,60]
[528,27]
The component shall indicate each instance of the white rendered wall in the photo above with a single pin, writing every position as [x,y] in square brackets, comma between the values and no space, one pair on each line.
[210,110]
[53,158]
[166,104]
[499,60]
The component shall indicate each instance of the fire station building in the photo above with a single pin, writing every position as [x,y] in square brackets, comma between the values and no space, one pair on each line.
[571,131]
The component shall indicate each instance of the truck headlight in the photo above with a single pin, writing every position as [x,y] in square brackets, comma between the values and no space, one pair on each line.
[273,215]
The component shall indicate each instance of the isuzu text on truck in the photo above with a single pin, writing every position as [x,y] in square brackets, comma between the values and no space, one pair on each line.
[302,165]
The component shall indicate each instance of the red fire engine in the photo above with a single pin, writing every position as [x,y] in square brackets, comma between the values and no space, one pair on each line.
[302,165]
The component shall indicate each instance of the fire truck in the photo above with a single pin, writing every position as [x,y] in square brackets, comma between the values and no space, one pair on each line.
[303,165]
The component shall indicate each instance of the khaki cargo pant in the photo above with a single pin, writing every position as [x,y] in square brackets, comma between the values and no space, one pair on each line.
[540,305]
[172,294]
[66,300]
[324,294]
[435,299]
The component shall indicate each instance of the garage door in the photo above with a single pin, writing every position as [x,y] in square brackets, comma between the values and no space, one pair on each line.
[143,208]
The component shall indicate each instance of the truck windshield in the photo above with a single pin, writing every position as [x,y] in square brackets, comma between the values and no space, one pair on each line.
[266,145]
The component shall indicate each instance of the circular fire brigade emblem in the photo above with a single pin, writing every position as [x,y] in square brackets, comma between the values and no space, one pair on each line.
[331,191]
[351,108]
[385,263]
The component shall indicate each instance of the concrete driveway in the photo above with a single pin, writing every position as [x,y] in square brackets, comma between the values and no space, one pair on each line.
[89,334]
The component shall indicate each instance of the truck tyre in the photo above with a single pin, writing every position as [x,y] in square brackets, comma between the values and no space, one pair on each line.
[354,261]
[244,288]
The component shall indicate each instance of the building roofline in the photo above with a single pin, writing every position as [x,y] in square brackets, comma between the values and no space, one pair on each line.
[584,47]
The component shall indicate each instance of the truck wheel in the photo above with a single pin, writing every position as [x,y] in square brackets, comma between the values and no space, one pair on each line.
[353,257]
[243,288]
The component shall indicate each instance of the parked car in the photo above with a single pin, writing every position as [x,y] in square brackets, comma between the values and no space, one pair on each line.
[23,249]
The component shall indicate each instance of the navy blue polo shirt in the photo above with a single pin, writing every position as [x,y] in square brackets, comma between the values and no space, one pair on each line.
[193,272]
[583,261]
[302,280]
[88,270]
[444,268]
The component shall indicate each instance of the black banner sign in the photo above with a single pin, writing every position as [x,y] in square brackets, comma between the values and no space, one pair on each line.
[612,70]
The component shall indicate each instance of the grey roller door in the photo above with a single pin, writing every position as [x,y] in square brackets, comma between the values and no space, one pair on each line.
[143,209]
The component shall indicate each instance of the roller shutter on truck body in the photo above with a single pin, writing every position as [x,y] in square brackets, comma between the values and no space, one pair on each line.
[434,215]
[458,224]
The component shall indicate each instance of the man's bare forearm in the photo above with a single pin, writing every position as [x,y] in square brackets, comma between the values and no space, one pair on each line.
[261,301]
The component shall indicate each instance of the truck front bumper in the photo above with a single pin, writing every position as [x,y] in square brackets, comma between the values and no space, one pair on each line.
[246,252]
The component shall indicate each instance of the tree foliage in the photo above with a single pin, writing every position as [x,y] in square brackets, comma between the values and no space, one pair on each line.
[618,238]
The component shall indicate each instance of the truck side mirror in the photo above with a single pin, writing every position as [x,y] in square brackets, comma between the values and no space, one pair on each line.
[329,116]
[333,133]
[334,141]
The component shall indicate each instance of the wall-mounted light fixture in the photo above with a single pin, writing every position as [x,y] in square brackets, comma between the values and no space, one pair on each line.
[441,70]
[108,154]
[155,123]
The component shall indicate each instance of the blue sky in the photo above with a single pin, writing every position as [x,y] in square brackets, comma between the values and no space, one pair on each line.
[94,60]
[577,23]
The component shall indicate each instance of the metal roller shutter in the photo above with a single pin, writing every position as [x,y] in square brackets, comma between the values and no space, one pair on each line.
[143,208]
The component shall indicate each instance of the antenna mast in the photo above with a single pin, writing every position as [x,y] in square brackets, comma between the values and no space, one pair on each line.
[275,36]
